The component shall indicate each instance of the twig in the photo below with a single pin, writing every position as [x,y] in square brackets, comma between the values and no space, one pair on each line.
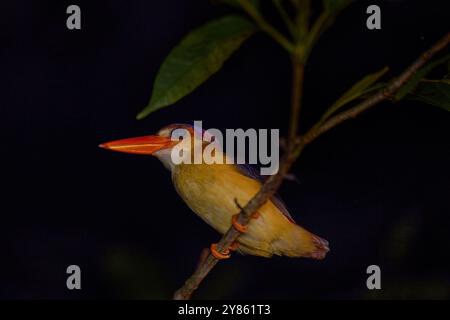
[379,96]
[316,30]
[285,17]
[302,19]
[298,70]
[265,26]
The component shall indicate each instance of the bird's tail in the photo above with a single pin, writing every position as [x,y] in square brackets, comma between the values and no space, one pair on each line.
[298,242]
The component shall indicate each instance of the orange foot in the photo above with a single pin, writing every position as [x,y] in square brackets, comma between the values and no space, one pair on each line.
[226,253]
[239,227]
[234,246]
[219,255]
[256,215]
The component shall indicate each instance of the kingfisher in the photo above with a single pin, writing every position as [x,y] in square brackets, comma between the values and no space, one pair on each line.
[214,190]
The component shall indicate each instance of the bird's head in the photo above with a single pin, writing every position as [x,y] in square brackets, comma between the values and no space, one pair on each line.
[159,145]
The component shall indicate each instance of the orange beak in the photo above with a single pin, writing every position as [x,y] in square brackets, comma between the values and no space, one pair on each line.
[140,145]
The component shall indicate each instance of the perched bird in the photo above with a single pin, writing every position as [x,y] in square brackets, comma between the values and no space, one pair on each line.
[212,190]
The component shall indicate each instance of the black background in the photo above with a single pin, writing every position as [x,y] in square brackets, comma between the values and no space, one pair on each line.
[376,187]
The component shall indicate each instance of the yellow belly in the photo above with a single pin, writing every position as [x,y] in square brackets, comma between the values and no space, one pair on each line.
[210,191]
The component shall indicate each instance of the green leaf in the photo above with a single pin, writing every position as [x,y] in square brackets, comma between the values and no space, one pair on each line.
[436,93]
[362,87]
[411,84]
[199,55]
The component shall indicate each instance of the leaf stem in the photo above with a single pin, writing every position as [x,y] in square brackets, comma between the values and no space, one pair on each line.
[298,70]
[316,30]
[278,4]
[303,14]
[266,26]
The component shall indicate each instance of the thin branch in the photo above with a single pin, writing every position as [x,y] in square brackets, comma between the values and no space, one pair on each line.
[298,70]
[266,26]
[379,96]
[316,30]
[278,4]
[303,15]
[266,192]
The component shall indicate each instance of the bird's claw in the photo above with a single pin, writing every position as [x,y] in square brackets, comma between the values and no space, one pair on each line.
[239,227]
[256,215]
[219,255]
[234,246]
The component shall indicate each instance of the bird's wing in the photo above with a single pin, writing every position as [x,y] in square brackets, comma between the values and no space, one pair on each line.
[251,172]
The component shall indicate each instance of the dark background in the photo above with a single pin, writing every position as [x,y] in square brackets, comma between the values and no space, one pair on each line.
[376,187]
